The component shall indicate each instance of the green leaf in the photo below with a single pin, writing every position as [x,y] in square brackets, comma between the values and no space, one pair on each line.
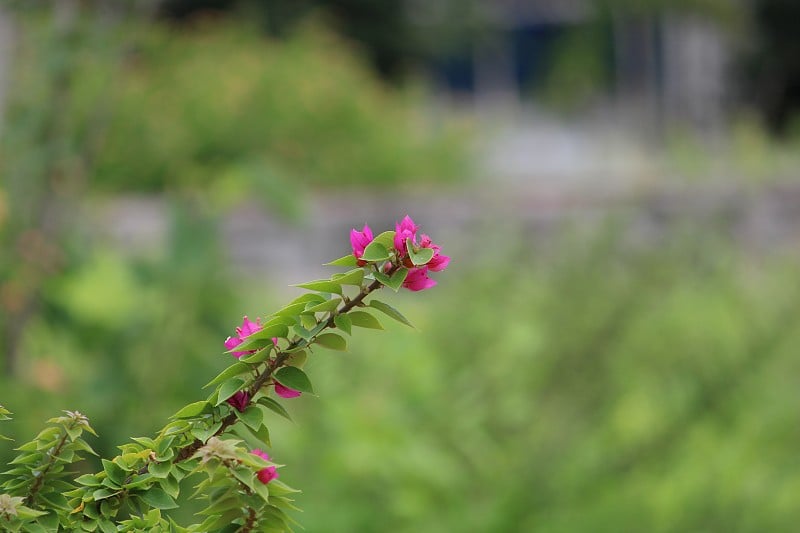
[164,444]
[107,526]
[274,406]
[204,433]
[344,323]
[302,332]
[297,359]
[193,409]
[308,321]
[138,481]
[363,319]
[321,285]
[375,251]
[309,297]
[294,378]
[171,486]
[55,500]
[88,480]
[324,307]
[102,494]
[353,277]
[228,389]
[156,497]
[26,513]
[262,490]
[255,438]
[386,239]
[259,357]
[332,341]
[395,281]
[244,475]
[268,332]
[73,432]
[390,311]
[114,472]
[159,470]
[346,261]
[233,370]
[252,416]
[82,445]
[418,257]
[33,527]
[291,310]
[147,442]
[398,277]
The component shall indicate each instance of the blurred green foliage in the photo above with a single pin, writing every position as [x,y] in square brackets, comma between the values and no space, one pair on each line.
[209,116]
[595,389]
[218,106]
[221,102]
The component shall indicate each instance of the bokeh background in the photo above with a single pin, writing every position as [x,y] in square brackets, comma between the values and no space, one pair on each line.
[615,344]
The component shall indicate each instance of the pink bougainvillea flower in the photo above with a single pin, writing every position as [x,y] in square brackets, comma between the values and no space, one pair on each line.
[359,240]
[240,400]
[285,392]
[265,475]
[438,262]
[247,328]
[405,229]
[418,280]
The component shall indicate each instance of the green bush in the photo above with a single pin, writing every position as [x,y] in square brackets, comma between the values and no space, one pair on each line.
[198,108]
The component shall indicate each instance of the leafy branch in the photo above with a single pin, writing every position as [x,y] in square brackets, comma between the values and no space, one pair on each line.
[241,487]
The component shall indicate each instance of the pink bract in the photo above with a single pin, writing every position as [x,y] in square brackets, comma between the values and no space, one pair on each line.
[418,280]
[438,262]
[285,392]
[359,240]
[265,475]
[247,328]
[240,400]
[405,229]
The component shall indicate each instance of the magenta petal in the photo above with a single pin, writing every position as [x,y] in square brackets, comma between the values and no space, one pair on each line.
[285,392]
[240,400]
[264,455]
[359,240]
[265,475]
[418,280]
[232,342]
[427,283]
[438,263]
[405,229]
[248,328]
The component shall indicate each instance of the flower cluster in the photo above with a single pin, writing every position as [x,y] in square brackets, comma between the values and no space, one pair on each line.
[405,233]
[406,251]
[247,328]
[241,399]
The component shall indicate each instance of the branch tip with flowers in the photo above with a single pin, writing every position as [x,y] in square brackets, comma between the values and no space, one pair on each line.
[219,439]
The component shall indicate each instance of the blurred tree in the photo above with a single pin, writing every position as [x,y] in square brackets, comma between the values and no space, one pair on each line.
[772,67]
[382,28]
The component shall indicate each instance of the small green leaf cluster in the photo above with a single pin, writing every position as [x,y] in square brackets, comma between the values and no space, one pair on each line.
[4,416]
[16,516]
[235,495]
[217,439]
[38,474]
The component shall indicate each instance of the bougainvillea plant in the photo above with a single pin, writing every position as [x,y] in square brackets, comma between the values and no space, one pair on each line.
[208,440]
